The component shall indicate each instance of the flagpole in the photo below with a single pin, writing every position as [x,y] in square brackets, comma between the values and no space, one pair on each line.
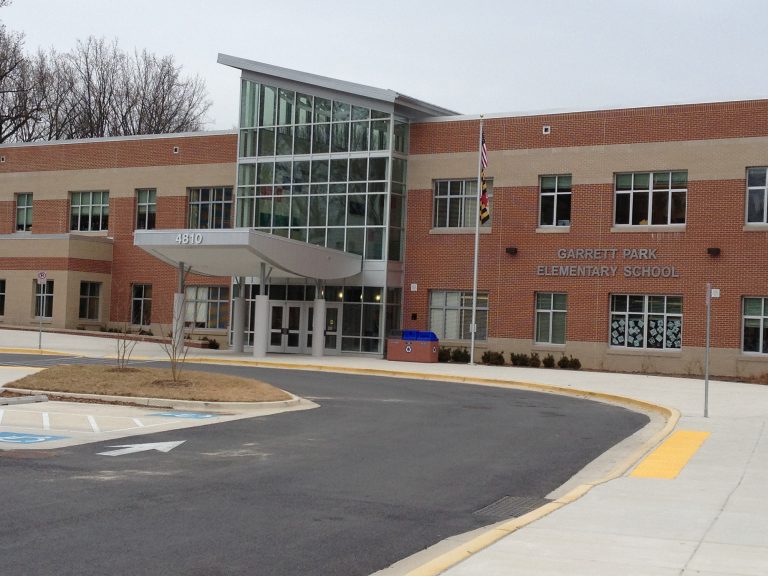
[473,324]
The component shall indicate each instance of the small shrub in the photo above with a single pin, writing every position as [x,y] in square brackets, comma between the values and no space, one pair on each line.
[534,360]
[524,360]
[460,355]
[213,344]
[444,354]
[548,361]
[493,358]
[574,363]
[143,332]
[563,362]
[514,358]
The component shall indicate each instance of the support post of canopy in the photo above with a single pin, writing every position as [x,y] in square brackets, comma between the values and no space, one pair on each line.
[318,321]
[238,316]
[261,321]
[178,315]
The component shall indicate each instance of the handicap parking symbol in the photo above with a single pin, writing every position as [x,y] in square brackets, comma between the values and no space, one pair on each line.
[188,415]
[16,438]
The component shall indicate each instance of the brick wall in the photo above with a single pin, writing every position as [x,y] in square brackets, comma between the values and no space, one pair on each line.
[715,218]
[635,125]
[121,153]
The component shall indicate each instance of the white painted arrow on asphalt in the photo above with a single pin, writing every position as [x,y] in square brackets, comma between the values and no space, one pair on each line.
[133,448]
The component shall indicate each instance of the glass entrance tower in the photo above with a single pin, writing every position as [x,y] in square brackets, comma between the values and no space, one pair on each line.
[324,161]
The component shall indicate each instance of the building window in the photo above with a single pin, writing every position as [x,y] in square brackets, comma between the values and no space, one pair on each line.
[455,203]
[2,297]
[450,314]
[23,212]
[89,300]
[655,198]
[756,325]
[207,307]
[141,304]
[640,321]
[146,208]
[555,200]
[44,299]
[210,207]
[550,317]
[757,196]
[89,211]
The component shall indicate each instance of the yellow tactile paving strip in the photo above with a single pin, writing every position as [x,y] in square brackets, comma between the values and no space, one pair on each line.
[669,459]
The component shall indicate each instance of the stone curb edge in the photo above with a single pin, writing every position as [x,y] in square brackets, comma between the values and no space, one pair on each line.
[168,402]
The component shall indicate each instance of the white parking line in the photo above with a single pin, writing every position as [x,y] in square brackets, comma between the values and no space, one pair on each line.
[138,422]
[46,421]
[94,425]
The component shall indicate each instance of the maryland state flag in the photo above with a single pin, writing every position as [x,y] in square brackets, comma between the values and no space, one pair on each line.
[485,213]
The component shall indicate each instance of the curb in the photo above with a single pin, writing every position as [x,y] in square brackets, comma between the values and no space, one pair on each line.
[169,402]
[25,400]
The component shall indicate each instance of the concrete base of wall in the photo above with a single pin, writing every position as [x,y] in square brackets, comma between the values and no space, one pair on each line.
[723,362]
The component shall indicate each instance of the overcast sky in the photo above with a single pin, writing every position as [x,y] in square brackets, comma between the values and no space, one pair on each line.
[472,56]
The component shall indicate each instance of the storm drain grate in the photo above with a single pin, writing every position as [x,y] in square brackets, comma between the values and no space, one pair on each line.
[511,507]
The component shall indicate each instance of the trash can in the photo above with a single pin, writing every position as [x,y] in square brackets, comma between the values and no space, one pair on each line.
[412,346]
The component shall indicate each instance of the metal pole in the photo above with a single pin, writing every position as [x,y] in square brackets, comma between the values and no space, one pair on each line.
[40,317]
[473,323]
[706,351]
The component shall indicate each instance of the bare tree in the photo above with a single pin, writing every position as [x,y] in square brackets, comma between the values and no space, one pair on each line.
[18,95]
[94,90]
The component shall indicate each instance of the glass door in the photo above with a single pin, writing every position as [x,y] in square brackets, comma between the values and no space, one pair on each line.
[285,327]
[332,328]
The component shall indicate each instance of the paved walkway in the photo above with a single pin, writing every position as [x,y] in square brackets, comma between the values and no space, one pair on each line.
[696,506]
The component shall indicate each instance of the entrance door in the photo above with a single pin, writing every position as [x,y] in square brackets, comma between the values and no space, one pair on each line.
[285,327]
[332,328]
[331,331]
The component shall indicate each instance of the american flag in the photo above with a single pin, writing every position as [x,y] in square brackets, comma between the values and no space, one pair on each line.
[485,213]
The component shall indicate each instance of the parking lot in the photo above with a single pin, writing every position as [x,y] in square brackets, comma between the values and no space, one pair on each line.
[56,424]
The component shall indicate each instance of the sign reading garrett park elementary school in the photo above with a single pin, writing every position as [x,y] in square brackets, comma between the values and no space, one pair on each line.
[629,262]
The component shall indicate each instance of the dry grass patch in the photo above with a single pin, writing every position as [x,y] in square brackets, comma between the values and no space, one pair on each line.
[150,383]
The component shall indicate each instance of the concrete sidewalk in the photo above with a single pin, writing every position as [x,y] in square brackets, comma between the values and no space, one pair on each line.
[711,519]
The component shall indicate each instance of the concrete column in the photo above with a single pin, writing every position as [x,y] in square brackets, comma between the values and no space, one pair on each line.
[261,326]
[178,324]
[238,323]
[318,327]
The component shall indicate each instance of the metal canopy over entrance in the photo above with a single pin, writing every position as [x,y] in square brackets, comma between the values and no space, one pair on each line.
[240,252]
[247,252]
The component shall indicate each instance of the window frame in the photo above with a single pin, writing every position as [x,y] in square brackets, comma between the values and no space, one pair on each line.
[756,188]
[558,196]
[654,191]
[97,211]
[461,191]
[2,297]
[762,335]
[146,211]
[216,212]
[214,305]
[43,294]
[550,313]
[438,301]
[90,301]
[26,209]
[627,313]
[144,303]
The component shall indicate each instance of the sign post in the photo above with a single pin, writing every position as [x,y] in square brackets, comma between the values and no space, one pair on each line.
[711,293]
[41,279]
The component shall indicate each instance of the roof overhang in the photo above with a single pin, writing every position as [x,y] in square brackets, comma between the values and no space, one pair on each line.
[241,251]
[388,100]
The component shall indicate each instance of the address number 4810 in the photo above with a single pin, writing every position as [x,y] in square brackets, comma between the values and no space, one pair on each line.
[186,238]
